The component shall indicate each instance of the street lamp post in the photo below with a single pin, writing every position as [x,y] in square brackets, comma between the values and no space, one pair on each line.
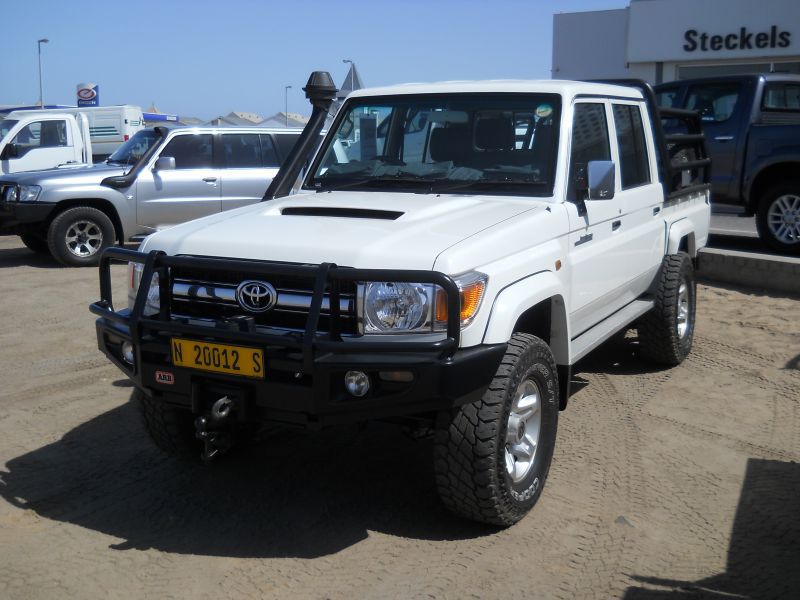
[286,103]
[39,44]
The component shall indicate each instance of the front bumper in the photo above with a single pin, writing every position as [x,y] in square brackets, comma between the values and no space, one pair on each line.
[24,213]
[304,374]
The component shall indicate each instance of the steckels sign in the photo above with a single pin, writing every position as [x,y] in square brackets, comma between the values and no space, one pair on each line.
[743,39]
[675,30]
[88,94]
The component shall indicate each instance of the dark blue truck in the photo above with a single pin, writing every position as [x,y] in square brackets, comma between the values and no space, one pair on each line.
[752,128]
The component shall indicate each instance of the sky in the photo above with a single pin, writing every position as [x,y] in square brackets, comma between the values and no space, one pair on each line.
[207,58]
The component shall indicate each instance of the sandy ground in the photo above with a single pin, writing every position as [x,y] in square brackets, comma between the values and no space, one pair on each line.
[665,483]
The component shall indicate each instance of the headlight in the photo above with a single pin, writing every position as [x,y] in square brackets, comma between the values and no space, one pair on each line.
[28,193]
[391,307]
[153,304]
[11,193]
[399,307]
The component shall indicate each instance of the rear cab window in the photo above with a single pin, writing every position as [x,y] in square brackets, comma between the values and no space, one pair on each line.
[781,97]
[246,151]
[633,156]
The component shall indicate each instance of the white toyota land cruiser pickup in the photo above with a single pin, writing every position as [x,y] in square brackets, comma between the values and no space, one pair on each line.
[480,238]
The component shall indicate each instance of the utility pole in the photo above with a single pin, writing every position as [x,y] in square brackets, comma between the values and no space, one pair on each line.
[41,95]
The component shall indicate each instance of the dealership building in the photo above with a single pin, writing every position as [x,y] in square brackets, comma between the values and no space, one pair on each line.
[665,40]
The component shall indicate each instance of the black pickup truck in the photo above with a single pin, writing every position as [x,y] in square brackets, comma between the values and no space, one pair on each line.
[752,128]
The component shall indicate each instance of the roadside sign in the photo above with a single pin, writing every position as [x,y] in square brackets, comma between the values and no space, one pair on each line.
[88,94]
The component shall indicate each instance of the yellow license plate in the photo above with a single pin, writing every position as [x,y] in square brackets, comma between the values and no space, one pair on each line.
[218,358]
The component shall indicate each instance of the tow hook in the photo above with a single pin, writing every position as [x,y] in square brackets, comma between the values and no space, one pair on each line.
[211,429]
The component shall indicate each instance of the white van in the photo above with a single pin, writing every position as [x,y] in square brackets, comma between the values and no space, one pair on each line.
[109,126]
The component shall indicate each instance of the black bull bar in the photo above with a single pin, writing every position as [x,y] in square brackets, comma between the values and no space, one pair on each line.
[311,342]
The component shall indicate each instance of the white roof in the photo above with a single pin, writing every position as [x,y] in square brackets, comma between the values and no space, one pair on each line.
[543,86]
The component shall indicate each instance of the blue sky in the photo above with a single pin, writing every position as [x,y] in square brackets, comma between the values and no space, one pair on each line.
[207,58]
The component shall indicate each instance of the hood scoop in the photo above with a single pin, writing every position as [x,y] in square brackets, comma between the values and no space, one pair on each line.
[346,213]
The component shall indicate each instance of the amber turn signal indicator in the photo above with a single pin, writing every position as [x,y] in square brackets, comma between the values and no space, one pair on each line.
[470,295]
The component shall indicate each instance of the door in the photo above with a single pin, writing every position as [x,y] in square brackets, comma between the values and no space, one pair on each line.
[721,106]
[248,163]
[42,145]
[641,225]
[597,261]
[189,191]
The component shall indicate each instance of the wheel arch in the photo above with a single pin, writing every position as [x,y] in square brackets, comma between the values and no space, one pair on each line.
[100,204]
[681,238]
[535,305]
[770,175]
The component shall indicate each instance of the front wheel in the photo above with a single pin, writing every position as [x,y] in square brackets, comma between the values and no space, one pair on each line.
[778,218]
[78,235]
[492,456]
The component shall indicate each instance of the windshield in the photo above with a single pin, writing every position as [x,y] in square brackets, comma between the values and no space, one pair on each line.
[6,125]
[132,150]
[494,143]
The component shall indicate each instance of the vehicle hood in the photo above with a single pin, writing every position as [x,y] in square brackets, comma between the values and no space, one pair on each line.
[83,175]
[426,226]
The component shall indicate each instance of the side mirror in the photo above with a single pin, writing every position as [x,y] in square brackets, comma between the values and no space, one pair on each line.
[164,163]
[10,151]
[601,179]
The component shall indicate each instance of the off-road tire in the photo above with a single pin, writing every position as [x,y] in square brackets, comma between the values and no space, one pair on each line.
[35,241]
[171,428]
[661,339]
[785,192]
[73,222]
[470,441]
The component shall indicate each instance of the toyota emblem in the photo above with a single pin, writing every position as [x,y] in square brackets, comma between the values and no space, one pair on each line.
[256,296]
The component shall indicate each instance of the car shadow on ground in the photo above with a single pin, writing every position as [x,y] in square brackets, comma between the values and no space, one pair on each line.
[293,494]
[764,552]
[23,257]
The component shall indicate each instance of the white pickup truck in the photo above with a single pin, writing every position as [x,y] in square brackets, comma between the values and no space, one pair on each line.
[478,240]
[31,140]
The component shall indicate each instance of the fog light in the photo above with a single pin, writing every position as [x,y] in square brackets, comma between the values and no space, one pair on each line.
[127,352]
[357,383]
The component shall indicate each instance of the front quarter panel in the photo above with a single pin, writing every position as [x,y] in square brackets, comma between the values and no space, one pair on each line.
[514,300]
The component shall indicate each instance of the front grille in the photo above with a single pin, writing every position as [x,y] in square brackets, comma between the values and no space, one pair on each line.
[212,295]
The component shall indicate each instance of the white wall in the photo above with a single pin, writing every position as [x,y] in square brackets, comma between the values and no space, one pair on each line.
[658,30]
[590,44]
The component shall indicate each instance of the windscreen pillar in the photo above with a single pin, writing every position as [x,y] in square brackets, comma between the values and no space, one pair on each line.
[321,92]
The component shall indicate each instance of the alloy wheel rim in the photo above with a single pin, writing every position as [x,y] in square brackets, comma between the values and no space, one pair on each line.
[84,238]
[522,430]
[683,310]
[783,219]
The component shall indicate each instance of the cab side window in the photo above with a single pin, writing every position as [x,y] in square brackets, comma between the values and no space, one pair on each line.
[714,101]
[190,151]
[589,140]
[633,163]
[41,134]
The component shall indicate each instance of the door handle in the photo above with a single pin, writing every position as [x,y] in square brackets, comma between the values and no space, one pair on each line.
[210,179]
[584,238]
[616,225]
[723,138]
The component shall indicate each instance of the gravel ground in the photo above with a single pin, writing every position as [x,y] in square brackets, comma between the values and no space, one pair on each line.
[665,483]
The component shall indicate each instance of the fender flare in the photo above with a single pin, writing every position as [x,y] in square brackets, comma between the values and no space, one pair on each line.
[679,230]
[518,297]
